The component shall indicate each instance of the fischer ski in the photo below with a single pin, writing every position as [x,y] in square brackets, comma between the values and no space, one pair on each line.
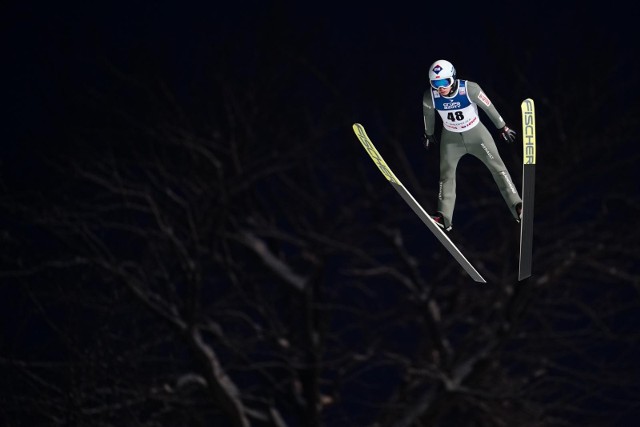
[415,206]
[528,187]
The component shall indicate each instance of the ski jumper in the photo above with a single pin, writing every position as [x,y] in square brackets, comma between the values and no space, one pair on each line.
[464,133]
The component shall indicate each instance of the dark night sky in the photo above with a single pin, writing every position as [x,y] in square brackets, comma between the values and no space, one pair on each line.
[53,50]
[377,55]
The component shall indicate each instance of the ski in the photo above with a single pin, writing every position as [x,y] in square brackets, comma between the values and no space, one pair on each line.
[415,206]
[528,187]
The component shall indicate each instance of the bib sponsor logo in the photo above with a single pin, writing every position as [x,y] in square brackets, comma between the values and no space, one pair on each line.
[451,105]
[470,124]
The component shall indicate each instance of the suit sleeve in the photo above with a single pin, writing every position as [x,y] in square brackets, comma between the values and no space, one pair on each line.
[428,113]
[477,95]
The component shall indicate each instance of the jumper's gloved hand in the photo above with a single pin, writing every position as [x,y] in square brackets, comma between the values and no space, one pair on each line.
[429,140]
[507,134]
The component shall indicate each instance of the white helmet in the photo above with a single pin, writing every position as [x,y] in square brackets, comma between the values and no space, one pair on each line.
[442,73]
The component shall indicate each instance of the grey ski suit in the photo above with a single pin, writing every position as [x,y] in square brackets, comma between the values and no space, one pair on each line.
[464,133]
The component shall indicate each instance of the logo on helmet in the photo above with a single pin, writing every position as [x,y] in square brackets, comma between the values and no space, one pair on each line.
[437,69]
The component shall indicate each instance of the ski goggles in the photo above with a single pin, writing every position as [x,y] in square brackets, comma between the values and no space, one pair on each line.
[436,84]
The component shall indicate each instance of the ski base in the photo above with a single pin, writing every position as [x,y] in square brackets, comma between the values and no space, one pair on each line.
[528,187]
[415,206]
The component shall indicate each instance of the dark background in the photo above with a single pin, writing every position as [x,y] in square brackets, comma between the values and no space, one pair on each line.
[107,102]
[54,52]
